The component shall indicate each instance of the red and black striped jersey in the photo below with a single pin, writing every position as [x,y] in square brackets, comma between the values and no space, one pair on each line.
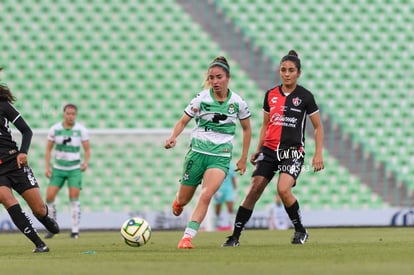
[286,128]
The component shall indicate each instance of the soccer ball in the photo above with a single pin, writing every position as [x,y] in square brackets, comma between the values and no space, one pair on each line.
[136,231]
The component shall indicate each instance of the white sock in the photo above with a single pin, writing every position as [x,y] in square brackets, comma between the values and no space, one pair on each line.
[191,229]
[51,207]
[189,232]
[76,212]
[232,217]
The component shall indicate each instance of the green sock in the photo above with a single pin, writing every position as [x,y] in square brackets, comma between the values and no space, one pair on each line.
[191,230]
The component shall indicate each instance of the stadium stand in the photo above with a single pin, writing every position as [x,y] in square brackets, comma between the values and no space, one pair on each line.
[356,60]
[128,174]
[136,66]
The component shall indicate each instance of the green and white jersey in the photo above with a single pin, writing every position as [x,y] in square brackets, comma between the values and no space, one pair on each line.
[68,144]
[215,122]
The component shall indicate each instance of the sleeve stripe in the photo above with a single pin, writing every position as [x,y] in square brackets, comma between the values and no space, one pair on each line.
[188,114]
[245,117]
[317,111]
[14,120]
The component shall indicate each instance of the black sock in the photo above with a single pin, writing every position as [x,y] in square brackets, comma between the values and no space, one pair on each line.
[23,222]
[294,214]
[49,223]
[44,218]
[242,217]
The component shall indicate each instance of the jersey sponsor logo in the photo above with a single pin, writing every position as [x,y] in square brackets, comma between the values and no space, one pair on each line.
[296,101]
[66,140]
[280,120]
[290,154]
[217,117]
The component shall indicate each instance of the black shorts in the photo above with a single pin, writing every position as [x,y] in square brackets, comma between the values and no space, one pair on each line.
[19,179]
[289,161]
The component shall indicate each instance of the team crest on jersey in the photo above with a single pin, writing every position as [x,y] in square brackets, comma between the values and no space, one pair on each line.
[296,101]
[231,109]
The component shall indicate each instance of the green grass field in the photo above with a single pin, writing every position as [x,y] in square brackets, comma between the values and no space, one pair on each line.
[329,251]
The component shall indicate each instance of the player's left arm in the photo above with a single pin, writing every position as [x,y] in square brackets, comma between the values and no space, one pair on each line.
[317,161]
[247,136]
[87,154]
[27,134]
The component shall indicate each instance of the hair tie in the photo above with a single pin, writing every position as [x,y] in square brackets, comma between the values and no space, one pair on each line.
[224,66]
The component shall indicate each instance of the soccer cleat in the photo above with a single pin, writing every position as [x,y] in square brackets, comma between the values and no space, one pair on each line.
[176,209]
[185,243]
[49,235]
[41,249]
[74,235]
[231,241]
[50,224]
[300,237]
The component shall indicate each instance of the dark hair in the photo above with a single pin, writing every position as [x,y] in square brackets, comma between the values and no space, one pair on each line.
[221,61]
[5,94]
[70,105]
[292,56]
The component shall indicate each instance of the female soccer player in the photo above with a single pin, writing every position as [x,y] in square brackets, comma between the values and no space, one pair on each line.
[16,174]
[281,147]
[216,110]
[69,137]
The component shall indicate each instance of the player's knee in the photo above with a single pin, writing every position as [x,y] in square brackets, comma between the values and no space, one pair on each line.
[205,197]
[256,190]
[284,193]
[39,210]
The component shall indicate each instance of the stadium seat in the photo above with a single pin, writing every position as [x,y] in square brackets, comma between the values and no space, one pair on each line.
[140,68]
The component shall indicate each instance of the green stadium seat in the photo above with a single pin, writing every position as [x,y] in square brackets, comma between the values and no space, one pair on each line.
[129,75]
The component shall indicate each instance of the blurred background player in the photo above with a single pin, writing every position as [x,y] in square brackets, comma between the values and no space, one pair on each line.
[226,195]
[16,174]
[216,110]
[69,136]
[278,218]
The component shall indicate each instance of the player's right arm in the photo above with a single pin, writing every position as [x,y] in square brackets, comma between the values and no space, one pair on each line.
[262,134]
[178,128]
[48,154]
